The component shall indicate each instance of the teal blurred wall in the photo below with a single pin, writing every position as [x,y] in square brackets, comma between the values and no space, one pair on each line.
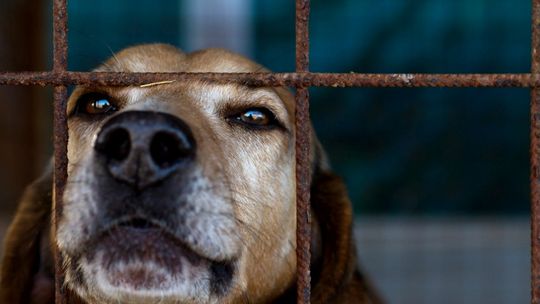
[401,151]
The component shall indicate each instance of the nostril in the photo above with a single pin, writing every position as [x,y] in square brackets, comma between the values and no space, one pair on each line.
[167,149]
[116,145]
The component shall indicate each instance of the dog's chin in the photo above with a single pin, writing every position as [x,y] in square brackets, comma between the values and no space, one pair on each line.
[132,265]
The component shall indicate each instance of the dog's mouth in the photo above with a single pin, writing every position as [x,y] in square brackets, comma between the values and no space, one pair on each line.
[138,224]
[137,254]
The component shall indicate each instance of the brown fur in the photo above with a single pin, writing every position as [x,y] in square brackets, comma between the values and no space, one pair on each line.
[336,278]
[27,274]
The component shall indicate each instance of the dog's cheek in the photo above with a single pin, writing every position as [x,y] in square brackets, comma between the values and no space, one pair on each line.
[266,209]
[263,184]
[81,139]
[207,219]
[79,211]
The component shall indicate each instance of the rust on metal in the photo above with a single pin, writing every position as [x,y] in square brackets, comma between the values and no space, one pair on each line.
[535,157]
[60,27]
[303,183]
[303,146]
[60,176]
[60,132]
[334,80]
[302,35]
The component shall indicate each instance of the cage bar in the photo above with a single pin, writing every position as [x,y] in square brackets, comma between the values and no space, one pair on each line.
[303,182]
[60,53]
[303,145]
[303,79]
[535,156]
[60,177]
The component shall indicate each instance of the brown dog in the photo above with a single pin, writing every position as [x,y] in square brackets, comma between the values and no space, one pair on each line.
[181,192]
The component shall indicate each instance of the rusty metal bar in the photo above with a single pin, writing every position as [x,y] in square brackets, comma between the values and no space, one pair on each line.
[334,80]
[60,176]
[60,131]
[60,36]
[535,157]
[303,147]
[302,35]
[303,182]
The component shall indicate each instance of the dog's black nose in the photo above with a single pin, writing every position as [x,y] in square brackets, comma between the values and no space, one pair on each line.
[141,148]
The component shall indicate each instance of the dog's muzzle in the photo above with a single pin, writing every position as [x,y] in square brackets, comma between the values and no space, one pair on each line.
[149,220]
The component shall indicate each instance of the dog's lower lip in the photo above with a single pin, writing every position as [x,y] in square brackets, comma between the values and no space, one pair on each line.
[135,231]
[137,240]
[149,258]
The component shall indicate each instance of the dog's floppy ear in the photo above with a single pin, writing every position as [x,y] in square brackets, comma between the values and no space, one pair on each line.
[336,278]
[27,269]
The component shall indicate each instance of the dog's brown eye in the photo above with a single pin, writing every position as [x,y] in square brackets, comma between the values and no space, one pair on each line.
[256,117]
[95,103]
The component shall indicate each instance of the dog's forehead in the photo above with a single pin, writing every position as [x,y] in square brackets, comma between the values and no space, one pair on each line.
[167,59]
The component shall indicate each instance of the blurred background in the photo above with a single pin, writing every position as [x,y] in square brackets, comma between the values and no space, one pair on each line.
[438,177]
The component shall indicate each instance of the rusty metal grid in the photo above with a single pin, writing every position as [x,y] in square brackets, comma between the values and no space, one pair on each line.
[301,79]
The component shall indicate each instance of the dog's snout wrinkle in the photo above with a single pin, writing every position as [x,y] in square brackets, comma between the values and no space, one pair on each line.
[141,148]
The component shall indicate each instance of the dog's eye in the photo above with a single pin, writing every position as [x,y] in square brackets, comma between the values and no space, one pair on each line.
[95,103]
[256,117]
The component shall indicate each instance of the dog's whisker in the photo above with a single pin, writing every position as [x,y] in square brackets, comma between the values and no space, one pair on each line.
[116,60]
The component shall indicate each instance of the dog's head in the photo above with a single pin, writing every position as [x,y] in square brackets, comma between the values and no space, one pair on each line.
[179,191]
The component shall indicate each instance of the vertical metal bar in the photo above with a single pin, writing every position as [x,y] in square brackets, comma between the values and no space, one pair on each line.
[303,145]
[302,35]
[60,36]
[535,157]
[303,221]
[60,177]
[60,132]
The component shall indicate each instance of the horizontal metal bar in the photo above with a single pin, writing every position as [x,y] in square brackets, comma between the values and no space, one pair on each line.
[275,79]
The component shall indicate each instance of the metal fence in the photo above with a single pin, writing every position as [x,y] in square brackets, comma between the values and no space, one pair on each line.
[301,80]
